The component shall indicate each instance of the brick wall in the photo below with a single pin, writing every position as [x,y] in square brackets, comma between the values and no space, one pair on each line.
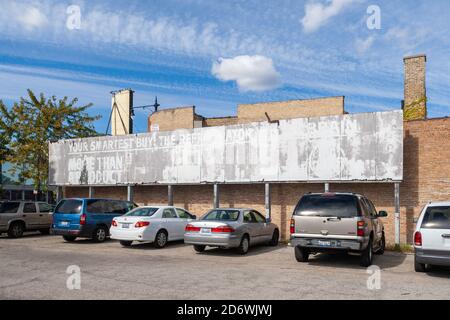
[427,166]
[291,109]
[284,197]
[216,122]
[426,174]
[183,118]
[172,119]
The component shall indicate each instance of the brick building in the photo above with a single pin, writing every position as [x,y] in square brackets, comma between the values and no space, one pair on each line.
[187,118]
[426,161]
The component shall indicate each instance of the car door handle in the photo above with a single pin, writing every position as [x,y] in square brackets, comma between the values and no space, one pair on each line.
[334,219]
[446,236]
[24,216]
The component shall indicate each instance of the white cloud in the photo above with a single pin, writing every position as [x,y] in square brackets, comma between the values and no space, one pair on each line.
[398,34]
[103,26]
[317,14]
[31,17]
[23,18]
[251,73]
[407,38]
[362,45]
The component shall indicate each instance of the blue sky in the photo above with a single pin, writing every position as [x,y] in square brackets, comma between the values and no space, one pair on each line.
[217,54]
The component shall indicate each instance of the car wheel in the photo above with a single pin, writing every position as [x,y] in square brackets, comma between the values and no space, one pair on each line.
[199,249]
[161,239]
[100,234]
[16,230]
[420,267]
[244,246]
[301,254]
[275,238]
[382,246]
[45,231]
[367,255]
[69,238]
[126,243]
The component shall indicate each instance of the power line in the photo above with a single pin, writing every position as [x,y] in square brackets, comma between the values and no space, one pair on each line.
[155,107]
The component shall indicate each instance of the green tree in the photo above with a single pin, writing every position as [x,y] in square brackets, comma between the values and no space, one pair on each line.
[6,132]
[38,121]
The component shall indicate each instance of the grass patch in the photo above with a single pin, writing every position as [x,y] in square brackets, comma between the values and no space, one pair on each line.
[403,248]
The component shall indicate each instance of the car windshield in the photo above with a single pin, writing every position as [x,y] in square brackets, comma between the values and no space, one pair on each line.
[142,212]
[69,207]
[436,218]
[341,206]
[9,207]
[222,215]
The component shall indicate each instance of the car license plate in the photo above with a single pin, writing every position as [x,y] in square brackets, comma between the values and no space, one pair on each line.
[125,226]
[64,223]
[324,243]
[206,230]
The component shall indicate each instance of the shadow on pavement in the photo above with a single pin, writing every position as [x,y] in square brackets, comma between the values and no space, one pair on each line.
[342,260]
[27,235]
[253,251]
[150,246]
[439,272]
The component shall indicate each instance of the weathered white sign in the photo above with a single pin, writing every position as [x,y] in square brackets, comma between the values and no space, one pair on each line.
[356,147]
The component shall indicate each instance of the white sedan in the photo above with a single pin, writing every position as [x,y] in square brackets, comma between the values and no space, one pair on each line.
[155,224]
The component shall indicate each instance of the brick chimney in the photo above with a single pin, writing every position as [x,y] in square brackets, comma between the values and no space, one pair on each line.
[415,103]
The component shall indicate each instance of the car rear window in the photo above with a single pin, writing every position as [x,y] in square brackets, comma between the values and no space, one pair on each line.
[342,206]
[436,218]
[142,212]
[9,207]
[69,207]
[100,206]
[118,207]
[222,215]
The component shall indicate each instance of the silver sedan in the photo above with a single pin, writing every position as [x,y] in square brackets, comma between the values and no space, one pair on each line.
[231,228]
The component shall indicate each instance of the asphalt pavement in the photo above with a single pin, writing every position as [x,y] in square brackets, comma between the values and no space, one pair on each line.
[46,267]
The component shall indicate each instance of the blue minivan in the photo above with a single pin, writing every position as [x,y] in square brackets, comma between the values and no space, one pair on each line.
[87,218]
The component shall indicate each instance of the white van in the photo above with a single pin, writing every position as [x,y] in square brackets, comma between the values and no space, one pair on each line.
[432,237]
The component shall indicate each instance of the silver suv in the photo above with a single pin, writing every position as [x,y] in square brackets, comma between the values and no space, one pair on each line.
[337,222]
[19,216]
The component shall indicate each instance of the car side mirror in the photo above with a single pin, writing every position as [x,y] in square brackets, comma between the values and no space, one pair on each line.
[268,220]
[416,219]
[194,217]
[382,214]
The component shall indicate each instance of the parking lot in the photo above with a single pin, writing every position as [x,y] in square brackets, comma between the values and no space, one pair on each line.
[35,266]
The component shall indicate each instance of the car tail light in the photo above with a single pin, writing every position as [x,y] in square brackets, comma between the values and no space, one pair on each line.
[83,219]
[114,223]
[191,228]
[141,224]
[418,239]
[292,226]
[222,229]
[361,228]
